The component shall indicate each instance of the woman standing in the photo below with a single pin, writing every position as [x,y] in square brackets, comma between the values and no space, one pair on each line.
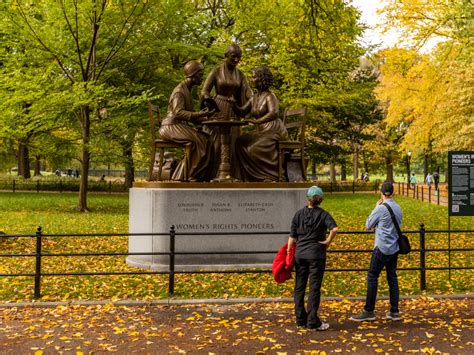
[256,155]
[308,231]
[230,87]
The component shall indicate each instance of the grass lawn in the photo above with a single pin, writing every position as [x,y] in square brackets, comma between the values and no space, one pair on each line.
[21,213]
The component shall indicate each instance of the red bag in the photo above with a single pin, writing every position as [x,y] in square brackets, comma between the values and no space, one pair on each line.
[283,264]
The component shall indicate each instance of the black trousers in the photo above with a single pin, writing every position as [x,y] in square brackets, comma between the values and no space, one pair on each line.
[312,269]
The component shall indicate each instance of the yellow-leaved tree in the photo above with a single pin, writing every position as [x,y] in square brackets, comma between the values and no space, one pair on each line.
[429,95]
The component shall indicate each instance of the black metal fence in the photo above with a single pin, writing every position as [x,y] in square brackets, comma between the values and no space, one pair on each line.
[39,254]
[72,184]
[60,185]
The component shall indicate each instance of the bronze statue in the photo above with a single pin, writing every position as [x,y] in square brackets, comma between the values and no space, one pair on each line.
[175,126]
[230,87]
[256,155]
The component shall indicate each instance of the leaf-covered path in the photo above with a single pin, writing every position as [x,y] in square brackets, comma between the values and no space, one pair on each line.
[428,325]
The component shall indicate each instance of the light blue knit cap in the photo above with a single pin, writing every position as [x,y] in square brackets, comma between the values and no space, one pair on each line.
[314,191]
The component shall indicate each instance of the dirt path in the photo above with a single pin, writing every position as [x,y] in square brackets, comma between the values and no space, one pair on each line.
[428,325]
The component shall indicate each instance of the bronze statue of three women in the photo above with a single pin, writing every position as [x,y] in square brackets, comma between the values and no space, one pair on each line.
[254,154]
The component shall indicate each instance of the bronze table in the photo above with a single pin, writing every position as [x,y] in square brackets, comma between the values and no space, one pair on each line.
[225,167]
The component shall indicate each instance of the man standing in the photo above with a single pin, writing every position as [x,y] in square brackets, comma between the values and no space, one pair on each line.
[385,254]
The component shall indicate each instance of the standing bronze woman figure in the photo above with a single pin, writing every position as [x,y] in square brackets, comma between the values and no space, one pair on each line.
[230,87]
[175,126]
[256,155]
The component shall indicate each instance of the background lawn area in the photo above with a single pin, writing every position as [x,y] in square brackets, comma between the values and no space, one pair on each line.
[21,213]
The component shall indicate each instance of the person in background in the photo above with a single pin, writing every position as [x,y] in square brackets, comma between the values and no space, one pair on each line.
[413,181]
[384,255]
[436,180]
[308,231]
[429,180]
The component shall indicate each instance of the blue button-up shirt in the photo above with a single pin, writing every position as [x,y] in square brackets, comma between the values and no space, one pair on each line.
[386,236]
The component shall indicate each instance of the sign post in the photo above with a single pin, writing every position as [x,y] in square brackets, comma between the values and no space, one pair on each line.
[461,189]
[461,183]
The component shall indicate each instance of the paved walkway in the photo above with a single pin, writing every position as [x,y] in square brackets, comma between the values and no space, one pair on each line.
[429,325]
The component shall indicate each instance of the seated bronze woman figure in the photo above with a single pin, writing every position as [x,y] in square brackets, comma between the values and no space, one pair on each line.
[256,155]
[175,126]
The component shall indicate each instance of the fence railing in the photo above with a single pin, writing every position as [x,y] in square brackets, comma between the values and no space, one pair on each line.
[424,192]
[72,184]
[60,185]
[39,255]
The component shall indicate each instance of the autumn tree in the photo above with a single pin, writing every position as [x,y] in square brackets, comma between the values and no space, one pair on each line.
[430,93]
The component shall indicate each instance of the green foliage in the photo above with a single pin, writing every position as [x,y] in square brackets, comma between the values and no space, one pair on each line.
[429,96]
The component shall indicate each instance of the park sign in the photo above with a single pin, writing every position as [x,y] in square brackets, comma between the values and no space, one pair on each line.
[461,183]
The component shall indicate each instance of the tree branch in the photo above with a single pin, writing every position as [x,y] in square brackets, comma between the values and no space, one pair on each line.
[40,41]
[116,43]
[74,34]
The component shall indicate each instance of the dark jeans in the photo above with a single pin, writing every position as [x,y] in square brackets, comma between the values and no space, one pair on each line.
[377,263]
[312,269]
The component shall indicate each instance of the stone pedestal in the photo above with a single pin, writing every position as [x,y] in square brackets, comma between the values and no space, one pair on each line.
[211,208]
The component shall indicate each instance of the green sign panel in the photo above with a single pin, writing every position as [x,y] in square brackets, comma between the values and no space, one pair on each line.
[461,183]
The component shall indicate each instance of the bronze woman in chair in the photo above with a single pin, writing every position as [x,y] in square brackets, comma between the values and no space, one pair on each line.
[175,126]
[256,152]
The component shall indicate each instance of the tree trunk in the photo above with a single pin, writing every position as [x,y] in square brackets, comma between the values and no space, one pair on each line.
[86,155]
[355,165]
[313,168]
[366,166]
[343,171]
[23,161]
[389,165]
[37,165]
[129,165]
[332,171]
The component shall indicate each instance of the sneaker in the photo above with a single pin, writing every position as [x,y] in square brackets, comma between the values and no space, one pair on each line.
[322,327]
[365,315]
[393,316]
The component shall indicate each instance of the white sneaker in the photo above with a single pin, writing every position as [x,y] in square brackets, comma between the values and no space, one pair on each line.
[323,326]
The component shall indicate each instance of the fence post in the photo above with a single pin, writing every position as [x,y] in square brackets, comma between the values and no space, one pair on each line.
[438,192]
[330,186]
[37,186]
[403,188]
[60,185]
[399,188]
[13,185]
[422,258]
[171,275]
[429,193]
[422,193]
[353,186]
[110,187]
[38,264]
